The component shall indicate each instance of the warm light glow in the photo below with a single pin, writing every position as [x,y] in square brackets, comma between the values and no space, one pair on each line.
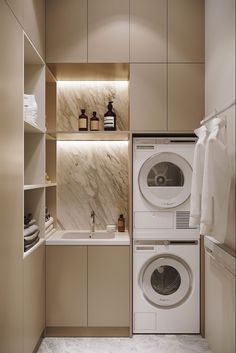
[86,145]
[84,84]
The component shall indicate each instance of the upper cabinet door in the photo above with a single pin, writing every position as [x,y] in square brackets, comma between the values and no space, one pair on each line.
[17,7]
[186,30]
[66,31]
[108,31]
[148,31]
[34,23]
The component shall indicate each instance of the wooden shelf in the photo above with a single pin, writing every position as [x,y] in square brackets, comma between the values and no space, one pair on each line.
[30,251]
[32,129]
[49,185]
[32,187]
[89,135]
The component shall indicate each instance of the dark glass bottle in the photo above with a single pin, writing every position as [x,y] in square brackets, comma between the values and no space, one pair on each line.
[110,119]
[121,223]
[94,122]
[83,121]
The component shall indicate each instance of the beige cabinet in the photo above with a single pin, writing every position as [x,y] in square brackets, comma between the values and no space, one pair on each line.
[34,298]
[34,23]
[87,286]
[186,30]
[108,31]
[108,286]
[148,31]
[11,161]
[148,97]
[185,96]
[66,34]
[66,286]
[17,7]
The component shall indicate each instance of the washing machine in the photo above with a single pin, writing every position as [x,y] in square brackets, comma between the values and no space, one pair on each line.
[166,287]
[162,175]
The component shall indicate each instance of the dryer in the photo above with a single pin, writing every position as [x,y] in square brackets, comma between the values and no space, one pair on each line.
[162,175]
[166,287]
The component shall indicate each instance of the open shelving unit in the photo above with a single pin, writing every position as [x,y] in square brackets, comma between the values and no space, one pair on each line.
[34,140]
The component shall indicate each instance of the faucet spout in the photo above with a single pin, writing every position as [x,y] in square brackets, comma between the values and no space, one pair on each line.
[92,223]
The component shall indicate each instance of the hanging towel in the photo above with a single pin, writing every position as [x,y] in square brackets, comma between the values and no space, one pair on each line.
[216,185]
[197,177]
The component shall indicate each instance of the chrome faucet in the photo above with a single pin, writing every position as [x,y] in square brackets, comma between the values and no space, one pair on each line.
[92,223]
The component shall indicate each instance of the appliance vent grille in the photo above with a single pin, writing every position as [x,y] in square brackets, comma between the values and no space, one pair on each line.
[145,147]
[182,219]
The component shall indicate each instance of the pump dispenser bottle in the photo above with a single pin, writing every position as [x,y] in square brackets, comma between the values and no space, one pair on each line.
[110,119]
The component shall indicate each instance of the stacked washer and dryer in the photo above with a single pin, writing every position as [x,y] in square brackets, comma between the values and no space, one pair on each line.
[166,269]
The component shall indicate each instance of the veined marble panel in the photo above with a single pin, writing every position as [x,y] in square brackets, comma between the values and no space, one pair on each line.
[72,96]
[91,175]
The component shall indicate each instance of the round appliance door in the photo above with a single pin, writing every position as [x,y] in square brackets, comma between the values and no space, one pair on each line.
[165,180]
[166,281]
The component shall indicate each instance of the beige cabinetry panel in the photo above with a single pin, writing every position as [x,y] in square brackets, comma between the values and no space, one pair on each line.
[186,30]
[148,31]
[11,161]
[108,31]
[17,7]
[148,97]
[66,286]
[34,298]
[34,23]
[185,96]
[108,286]
[66,31]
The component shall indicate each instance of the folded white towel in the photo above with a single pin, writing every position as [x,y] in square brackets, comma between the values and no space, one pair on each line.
[197,177]
[49,222]
[216,186]
[48,230]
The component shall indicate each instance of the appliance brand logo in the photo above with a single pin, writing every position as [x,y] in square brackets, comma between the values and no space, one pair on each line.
[167,203]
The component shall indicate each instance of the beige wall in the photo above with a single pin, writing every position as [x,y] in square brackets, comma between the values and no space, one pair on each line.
[220,91]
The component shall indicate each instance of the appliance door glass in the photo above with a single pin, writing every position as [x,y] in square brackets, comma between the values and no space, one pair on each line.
[166,281]
[165,180]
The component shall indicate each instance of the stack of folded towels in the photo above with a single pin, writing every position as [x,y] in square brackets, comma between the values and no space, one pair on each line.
[31,232]
[48,222]
[30,108]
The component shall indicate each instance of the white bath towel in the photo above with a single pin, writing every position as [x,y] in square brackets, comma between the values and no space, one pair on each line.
[49,222]
[216,186]
[48,230]
[197,178]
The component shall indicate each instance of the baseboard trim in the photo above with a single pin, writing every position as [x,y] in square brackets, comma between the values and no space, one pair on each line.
[87,332]
[39,342]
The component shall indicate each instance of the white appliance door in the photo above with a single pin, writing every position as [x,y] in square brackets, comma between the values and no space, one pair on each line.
[165,180]
[166,281]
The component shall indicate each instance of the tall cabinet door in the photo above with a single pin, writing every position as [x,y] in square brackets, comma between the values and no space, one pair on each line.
[34,298]
[11,172]
[108,31]
[148,97]
[66,286]
[148,31]
[66,34]
[108,286]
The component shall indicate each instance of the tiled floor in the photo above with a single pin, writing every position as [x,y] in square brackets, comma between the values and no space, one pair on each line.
[137,344]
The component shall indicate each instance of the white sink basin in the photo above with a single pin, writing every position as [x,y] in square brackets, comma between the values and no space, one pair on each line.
[87,235]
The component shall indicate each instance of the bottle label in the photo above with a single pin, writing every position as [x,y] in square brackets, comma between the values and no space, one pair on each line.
[109,121]
[83,123]
[94,125]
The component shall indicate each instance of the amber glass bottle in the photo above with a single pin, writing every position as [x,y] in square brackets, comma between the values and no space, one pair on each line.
[83,121]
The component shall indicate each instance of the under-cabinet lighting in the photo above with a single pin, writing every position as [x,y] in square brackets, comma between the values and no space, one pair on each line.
[91,144]
[82,84]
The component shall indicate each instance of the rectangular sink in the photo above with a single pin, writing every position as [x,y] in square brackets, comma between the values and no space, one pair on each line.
[87,235]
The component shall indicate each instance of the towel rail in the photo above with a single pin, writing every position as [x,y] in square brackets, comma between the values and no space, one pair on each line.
[217,112]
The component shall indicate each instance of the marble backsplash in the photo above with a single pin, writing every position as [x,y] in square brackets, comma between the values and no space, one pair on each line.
[72,96]
[91,175]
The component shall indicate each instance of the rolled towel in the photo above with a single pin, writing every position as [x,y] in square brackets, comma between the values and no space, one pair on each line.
[48,230]
[31,238]
[27,247]
[27,218]
[33,221]
[31,230]
[49,222]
